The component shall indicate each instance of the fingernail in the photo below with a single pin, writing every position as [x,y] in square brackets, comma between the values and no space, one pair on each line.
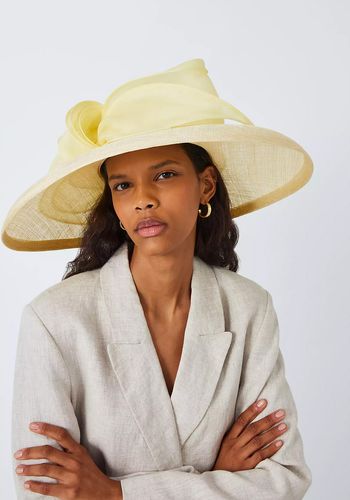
[19,453]
[279,413]
[35,426]
[261,403]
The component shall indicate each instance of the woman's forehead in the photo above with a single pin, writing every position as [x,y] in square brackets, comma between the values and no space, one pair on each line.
[149,157]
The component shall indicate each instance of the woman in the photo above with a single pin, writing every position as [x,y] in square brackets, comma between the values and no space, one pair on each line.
[153,367]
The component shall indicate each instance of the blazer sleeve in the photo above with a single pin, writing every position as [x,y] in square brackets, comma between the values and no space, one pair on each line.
[41,392]
[284,476]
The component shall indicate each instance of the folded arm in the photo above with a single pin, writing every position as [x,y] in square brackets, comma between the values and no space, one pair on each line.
[41,392]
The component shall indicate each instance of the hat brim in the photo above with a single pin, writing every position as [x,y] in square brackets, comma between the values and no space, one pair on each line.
[259,167]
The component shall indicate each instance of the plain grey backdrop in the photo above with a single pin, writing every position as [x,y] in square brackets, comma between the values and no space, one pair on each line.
[285,64]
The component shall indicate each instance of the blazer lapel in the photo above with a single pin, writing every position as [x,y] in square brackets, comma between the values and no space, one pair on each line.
[166,422]
[205,346]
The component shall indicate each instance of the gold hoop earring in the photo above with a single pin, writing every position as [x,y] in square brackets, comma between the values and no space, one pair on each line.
[208,211]
[121,225]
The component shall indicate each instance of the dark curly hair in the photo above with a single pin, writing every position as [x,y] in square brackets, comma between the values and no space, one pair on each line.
[216,236]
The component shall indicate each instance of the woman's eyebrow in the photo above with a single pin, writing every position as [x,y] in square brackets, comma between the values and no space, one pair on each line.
[151,167]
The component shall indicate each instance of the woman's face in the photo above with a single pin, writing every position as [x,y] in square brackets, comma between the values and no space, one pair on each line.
[159,182]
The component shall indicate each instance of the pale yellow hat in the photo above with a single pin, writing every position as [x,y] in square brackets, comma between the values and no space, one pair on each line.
[259,166]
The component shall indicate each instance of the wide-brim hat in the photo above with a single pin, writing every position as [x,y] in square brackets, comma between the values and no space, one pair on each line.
[258,165]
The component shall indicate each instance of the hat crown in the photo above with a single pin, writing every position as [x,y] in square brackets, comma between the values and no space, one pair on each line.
[181,96]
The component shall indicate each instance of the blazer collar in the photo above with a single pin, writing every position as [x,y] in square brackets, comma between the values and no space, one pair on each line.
[166,422]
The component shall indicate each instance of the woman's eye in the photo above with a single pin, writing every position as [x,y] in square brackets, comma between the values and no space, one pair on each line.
[173,173]
[123,183]
[115,187]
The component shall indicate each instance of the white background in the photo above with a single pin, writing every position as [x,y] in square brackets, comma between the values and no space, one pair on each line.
[285,64]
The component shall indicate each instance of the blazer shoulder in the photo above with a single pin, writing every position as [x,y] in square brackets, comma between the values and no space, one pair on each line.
[242,297]
[77,289]
[235,282]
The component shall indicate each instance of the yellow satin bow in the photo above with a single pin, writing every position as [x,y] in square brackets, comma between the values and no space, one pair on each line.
[180,96]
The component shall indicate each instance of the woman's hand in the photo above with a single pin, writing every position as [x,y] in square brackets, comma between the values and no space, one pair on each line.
[77,474]
[242,446]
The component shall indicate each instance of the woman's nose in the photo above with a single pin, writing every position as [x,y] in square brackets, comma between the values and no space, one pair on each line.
[144,197]
[143,206]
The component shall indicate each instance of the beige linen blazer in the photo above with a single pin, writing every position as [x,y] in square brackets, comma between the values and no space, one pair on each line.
[86,361]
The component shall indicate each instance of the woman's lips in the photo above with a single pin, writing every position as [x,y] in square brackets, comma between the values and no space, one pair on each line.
[151,230]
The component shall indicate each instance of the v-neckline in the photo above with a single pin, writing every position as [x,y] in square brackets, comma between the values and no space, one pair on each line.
[195,264]
[184,343]
[182,340]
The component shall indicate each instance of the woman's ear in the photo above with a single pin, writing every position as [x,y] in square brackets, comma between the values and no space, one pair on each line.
[208,182]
